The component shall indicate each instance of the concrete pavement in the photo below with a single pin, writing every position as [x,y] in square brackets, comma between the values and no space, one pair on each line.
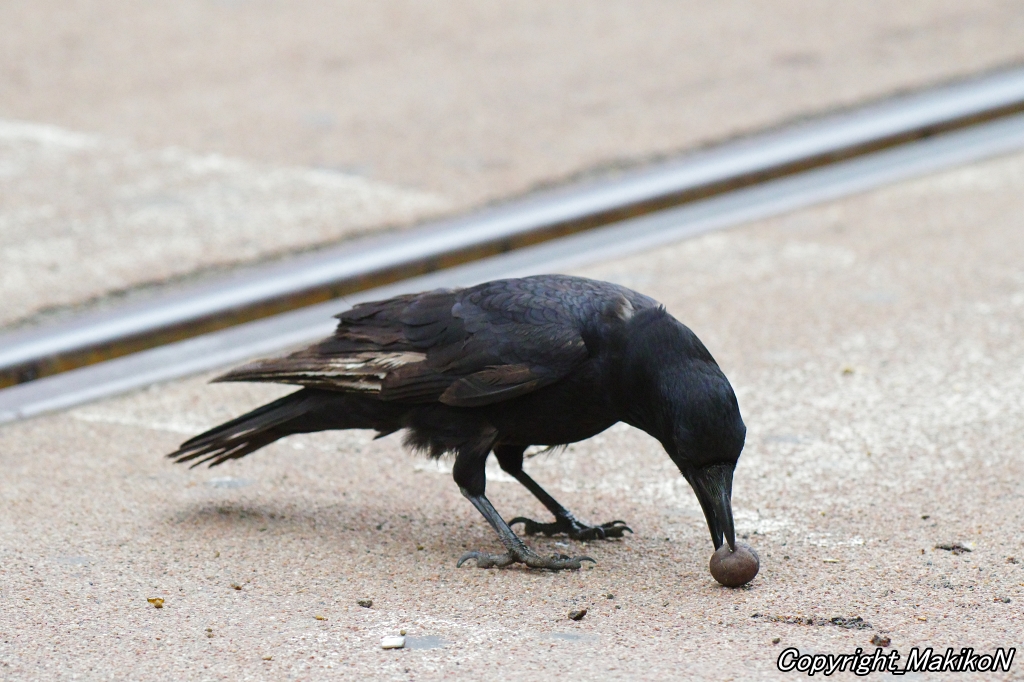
[223,132]
[876,347]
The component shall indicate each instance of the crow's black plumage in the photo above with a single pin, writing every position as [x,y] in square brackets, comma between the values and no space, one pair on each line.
[498,367]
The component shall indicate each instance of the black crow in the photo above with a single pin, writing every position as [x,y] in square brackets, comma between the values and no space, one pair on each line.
[498,367]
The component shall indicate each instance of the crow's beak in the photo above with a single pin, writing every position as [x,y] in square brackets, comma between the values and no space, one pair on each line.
[713,486]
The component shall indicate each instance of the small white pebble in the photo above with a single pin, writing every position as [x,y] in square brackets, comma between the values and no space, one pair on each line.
[392,642]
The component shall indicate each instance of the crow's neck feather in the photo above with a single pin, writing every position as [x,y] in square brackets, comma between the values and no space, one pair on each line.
[671,387]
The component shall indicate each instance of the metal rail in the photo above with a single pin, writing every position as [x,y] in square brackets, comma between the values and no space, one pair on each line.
[228,346]
[260,292]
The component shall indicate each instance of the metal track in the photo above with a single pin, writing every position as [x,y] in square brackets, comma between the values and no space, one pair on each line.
[279,332]
[260,292]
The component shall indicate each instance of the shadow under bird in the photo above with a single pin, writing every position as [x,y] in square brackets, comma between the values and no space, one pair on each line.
[546,360]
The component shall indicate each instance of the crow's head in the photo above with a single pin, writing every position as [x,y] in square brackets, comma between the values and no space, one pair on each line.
[705,440]
[677,393]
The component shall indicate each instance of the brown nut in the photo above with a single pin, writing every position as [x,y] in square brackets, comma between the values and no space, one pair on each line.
[734,569]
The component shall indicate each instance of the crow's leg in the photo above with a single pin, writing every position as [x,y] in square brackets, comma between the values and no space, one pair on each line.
[469,474]
[510,457]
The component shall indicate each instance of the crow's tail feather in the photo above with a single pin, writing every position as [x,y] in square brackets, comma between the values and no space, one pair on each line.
[304,411]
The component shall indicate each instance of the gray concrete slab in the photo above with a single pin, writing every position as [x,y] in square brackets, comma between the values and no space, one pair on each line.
[206,118]
[876,347]
[84,216]
[474,101]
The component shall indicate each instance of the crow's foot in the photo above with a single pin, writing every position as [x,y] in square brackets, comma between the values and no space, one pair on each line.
[573,528]
[525,555]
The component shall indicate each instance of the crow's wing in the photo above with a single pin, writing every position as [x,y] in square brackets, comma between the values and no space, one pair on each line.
[465,348]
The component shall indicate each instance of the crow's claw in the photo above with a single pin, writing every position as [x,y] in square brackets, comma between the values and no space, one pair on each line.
[556,562]
[573,528]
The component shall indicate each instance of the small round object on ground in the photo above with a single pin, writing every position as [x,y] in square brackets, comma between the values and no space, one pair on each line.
[734,569]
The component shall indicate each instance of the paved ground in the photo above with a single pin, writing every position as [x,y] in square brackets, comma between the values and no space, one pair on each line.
[220,132]
[876,345]
[84,217]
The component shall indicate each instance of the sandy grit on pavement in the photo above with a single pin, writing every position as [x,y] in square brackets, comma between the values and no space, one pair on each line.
[876,346]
